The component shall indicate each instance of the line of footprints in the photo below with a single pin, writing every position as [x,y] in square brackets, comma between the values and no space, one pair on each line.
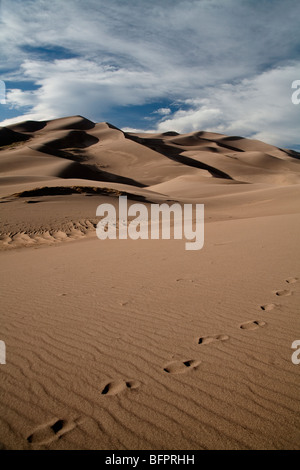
[180,367]
[55,429]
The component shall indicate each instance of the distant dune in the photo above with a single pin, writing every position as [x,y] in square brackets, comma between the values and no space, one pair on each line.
[123,344]
[65,147]
[225,173]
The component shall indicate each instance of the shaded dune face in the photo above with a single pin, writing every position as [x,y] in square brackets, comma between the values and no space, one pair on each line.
[9,137]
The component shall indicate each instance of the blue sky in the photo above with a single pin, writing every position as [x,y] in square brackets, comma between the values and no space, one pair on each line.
[220,65]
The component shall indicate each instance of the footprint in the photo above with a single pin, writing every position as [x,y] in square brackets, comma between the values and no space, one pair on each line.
[52,431]
[252,325]
[283,293]
[193,281]
[211,339]
[268,307]
[181,367]
[113,388]
[291,280]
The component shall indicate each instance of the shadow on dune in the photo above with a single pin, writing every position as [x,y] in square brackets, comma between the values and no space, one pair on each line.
[83,171]
[68,190]
[233,138]
[170,134]
[28,126]
[221,142]
[10,137]
[175,154]
[111,126]
[74,123]
[74,138]
[291,153]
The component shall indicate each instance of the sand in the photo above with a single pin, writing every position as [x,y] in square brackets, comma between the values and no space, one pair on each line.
[140,344]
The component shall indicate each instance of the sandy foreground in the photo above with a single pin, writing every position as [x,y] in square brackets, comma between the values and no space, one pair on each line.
[123,344]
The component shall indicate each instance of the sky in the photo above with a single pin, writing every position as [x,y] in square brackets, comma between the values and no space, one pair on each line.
[224,66]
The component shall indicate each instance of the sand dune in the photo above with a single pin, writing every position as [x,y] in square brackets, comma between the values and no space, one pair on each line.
[124,344]
[146,160]
[230,175]
[151,159]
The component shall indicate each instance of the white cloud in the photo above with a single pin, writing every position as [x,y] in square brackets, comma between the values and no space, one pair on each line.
[208,40]
[138,131]
[163,111]
[208,55]
[259,107]
[78,86]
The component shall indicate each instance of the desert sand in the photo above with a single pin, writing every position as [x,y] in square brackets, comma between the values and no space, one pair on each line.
[140,344]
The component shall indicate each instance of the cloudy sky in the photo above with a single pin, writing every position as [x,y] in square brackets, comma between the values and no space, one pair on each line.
[184,65]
